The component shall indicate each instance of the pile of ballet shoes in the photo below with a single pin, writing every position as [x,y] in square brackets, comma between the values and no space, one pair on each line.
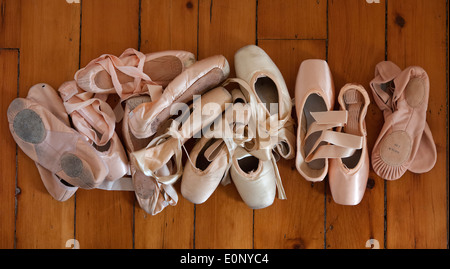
[123,123]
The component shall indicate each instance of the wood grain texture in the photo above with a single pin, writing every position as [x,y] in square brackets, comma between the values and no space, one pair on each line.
[9,60]
[356,44]
[297,222]
[45,41]
[10,24]
[224,221]
[104,219]
[48,53]
[167,25]
[417,203]
[292,19]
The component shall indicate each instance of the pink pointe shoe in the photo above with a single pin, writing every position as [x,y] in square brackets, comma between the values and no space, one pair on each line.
[403,97]
[168,145]
[151,195]
[314,93]
[348,176]
[45,95]
[126,74]
[94,119]
[198,78]
[55,146]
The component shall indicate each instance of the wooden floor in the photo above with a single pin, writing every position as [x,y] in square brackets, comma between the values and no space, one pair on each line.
[48,40]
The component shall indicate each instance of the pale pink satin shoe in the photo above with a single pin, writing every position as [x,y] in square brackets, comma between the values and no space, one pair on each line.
[384,87]
[151,195]
[267,85]
[405,132]
[210,159]
[126,74]
[55,146]
[198,78]
[348,176]
[168,146]
[95,119]
[45,95]
[314,93]
[204,170]
[254,179]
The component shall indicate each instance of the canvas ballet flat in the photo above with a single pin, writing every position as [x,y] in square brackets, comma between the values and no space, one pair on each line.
[152,196]
[126,74]
[55,146]
[404,126]
[198,78]
[383,87]
[93,118]
[45,95]
[348,176]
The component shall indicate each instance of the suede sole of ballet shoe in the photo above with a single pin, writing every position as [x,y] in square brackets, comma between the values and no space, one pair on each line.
[32,133]
[399,140]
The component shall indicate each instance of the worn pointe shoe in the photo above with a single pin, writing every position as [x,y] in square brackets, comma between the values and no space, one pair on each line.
[55,146]
[254,179]
[209,160]
[348,176]
[266,82]
[151,195]
[195,80]
[314,92]
[95,119]
[125,74]
[382,88]
[168,146]
[45,95]
[400,138]
[200,179]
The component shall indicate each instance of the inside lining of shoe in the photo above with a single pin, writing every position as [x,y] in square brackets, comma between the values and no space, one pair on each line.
[199,87]
[267,91]
[314,103]
[132,103]
[354,102]
[385,90]
[202,162]
[161,70]
[103,148]
[248,164]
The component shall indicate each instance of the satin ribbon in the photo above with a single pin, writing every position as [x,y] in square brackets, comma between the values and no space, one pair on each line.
[169,144]
[342,145]
[111,63]
[262,127]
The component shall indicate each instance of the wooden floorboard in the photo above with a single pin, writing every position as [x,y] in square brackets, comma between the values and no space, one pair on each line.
[361,35]
[168,25]
[48,53]
[416,203]
[110,212]
[9,62]
[298,221]
[49,40]
[224,221]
